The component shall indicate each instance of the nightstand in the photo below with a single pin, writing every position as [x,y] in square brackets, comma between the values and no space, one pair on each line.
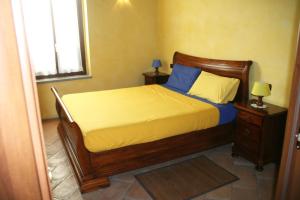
[259,133]
[155,78]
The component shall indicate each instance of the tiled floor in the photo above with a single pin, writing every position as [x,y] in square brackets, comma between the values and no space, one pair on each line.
[252,184]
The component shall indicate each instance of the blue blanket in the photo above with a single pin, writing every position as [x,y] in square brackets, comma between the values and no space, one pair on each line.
[227,111]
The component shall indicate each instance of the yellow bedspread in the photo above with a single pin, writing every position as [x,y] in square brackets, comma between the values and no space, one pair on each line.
[117,118]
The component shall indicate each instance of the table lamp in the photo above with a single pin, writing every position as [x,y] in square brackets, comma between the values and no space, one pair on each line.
[260,89]
[156,64]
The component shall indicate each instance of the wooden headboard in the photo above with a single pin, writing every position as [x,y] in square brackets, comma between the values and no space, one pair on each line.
[228,68]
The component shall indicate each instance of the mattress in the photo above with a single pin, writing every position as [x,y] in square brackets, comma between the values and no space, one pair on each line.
[116,118]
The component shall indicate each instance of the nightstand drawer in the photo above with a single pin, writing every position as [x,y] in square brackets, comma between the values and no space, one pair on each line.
[250,118]
[251,148]
[247,145]
[155,78]
[150,80]
[248,132]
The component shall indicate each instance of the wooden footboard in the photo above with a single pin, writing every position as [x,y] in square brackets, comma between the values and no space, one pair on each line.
[79,156]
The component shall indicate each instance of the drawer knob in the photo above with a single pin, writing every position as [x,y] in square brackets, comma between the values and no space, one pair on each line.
[247,131]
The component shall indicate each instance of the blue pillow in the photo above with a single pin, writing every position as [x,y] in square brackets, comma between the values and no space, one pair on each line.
[183,77]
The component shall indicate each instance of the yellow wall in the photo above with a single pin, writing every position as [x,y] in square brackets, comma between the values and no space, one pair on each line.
[123,42]
[260,30]
[124,38]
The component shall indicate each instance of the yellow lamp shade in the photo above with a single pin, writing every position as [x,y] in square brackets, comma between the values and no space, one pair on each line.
[261,89]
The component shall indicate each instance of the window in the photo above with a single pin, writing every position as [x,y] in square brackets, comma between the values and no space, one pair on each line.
[54,35]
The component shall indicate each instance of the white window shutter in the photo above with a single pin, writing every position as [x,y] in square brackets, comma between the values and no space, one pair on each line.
[39,34]
[67,35]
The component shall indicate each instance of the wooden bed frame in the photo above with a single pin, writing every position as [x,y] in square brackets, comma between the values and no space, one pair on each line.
[93,169]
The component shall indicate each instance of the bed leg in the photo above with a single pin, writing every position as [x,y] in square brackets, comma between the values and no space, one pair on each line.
[90,185]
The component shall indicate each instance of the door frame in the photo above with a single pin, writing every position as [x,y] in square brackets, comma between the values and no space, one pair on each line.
[290,141]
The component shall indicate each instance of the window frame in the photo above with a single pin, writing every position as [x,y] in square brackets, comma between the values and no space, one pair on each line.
[82,49]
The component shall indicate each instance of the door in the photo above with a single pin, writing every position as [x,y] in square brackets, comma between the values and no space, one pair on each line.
[289,173]
[23,167]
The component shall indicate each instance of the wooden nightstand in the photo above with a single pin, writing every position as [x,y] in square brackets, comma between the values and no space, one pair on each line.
[259,133]
[154,78]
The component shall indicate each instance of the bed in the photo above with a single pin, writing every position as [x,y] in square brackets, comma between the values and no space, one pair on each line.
[93,163]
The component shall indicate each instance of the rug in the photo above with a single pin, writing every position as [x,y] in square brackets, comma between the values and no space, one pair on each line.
[185,180]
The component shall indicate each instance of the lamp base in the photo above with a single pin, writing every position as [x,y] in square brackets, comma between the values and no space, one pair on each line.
[254,105]
[156,70]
